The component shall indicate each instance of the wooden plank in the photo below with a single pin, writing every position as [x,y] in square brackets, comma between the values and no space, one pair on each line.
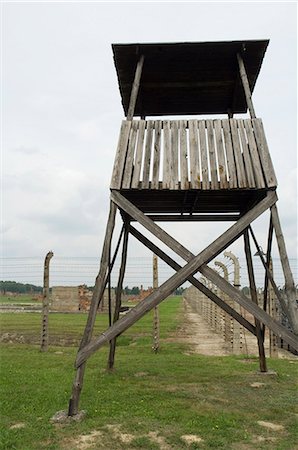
[264,153]
[147,157]
[246,156]
[194,155]
[128,169]
[162,255]
[135,88]
[254,154]
[174,181]
[212,155]
[229,154]
[99,288]
[120,155]
[223,181]
[139,155]
[241,177]
[166,155]
[246,86]
[156,154]
[183,155]
[204,155]
[254,298]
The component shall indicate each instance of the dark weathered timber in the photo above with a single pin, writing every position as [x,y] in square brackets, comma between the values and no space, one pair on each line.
[99,288]
[194,217]
[268,268]
[167,259]
[155,340]
[246,87]
[111,359]
[292,309]
[135,88]
[176,280]
[263,150]
[254,297]
[44,343]
[120,157]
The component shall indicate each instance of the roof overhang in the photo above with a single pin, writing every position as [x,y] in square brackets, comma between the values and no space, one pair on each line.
[189,77]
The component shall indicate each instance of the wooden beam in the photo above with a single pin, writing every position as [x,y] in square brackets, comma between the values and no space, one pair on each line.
[45,303]
[135,88]
[292,310]
[99,288]
[254,297]
[235,230]
[179,278]
[245,84]
[111,359]
[167,259]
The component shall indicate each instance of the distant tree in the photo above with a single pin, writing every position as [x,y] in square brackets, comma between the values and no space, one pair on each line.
[246,291]
[179,291]
[19,288]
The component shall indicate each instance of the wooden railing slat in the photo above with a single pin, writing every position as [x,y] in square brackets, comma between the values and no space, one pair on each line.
[147,157]
[212,155]
[223,181]
[204,155]
[246,156]
[256,165]
[194,154]
[138,156]
[264,153]
[128,169]
[166,155]
[183,155]
[242,183]
[156,154]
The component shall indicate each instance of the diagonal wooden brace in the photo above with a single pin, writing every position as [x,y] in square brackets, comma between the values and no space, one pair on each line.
[181,276]
[162,255]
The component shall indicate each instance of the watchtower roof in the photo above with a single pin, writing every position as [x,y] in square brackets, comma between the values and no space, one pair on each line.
[188,77]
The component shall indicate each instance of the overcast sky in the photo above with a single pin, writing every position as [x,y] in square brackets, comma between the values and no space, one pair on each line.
[61,112]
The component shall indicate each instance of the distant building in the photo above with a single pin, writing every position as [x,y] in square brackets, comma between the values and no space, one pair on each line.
[76,298]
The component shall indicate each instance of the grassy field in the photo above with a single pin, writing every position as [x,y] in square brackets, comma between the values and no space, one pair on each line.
[151,401]
[19,299]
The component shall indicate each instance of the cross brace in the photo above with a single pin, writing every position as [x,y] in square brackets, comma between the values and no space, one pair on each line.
[194,264]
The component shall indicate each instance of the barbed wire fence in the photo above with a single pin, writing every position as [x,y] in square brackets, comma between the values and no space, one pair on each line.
[74,271]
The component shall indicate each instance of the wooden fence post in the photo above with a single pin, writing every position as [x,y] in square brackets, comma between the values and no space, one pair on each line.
[45,303]
[155,346]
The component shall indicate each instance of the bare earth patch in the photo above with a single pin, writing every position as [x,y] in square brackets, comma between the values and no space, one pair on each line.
[84,441]
[125,438]
[153,435]
[258,439]
[141,374]
[271,426]
[191,439]
[17,426]
[257,384]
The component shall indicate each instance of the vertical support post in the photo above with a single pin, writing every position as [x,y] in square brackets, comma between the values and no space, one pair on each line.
[135,89]
[119,289]
[292,309]
[237,328]
[100,285]
[45,303]
[254,297]
[245,84]
[272,311]
[155,346]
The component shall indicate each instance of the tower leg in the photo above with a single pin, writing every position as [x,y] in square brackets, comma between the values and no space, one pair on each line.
[100,285]
[254,297]
[112,351]
[292,310]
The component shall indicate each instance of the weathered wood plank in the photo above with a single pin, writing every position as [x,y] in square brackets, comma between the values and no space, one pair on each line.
[156,154]
[212,155]
[229,154]
[204,155]
[223,181]
[241,177]
[246,86]
[139,155]
[174,181]
[194,154]
[147,157]
[256,165]
[135,88]
[128,169]
[166,155]
[246,156]
[264,153]
[120,155]
[183,155]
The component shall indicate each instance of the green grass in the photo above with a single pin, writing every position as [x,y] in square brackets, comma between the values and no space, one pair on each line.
[19,299]
[171,393]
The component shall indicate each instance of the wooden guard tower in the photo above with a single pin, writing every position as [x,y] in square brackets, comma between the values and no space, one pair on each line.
[190,170]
